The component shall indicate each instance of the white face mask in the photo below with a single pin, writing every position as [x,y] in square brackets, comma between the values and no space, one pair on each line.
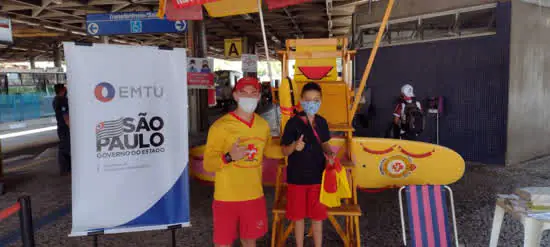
[248,104]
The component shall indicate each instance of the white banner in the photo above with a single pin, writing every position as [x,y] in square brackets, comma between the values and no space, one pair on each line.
[129,138]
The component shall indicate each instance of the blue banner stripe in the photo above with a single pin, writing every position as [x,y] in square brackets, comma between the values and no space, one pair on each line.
[172,208]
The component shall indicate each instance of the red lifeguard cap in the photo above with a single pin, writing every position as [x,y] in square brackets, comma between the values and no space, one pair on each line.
[247,81]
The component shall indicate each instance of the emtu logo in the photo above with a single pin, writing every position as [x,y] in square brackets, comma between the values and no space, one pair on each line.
[104,92]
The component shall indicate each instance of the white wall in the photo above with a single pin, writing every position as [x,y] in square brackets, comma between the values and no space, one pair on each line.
[529,95]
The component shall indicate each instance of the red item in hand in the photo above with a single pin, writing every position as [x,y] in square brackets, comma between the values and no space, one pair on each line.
[330,185]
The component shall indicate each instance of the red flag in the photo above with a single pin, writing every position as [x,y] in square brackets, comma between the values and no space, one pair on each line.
[188,13]
[188,3]
[277,4]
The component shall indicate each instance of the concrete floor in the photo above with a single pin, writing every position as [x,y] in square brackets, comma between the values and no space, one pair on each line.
[380,225]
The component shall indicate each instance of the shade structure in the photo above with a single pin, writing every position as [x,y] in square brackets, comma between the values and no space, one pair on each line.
[178,10]
[231,7]
[277,4]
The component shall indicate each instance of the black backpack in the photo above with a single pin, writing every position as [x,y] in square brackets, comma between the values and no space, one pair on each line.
[414,118]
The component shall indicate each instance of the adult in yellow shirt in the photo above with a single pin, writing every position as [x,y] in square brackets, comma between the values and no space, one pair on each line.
[234,151]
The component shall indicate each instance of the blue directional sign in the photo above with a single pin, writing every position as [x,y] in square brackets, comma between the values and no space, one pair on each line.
[131,23]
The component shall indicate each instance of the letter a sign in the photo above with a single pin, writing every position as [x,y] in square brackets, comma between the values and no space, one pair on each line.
[233,47]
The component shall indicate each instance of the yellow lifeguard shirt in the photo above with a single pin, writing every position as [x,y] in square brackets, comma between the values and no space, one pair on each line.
[238,180]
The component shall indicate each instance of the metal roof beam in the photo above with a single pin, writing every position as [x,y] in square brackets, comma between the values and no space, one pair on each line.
[432,15]
[268,32]
[294,23]
[44,5]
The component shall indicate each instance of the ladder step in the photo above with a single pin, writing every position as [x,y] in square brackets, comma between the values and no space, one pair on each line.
[348,164]
[340,127]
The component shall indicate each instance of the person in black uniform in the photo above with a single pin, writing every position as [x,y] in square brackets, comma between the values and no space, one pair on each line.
[61,107]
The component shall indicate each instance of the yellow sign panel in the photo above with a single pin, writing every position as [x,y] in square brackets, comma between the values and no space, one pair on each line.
[223,8]
[316,69]
[234,47]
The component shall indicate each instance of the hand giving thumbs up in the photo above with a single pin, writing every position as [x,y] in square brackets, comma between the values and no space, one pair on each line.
[300,144]
[237,151]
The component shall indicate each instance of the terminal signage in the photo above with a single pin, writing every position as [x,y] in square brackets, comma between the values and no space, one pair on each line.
[131,23]
[199,73]
[5,31]
[234,47]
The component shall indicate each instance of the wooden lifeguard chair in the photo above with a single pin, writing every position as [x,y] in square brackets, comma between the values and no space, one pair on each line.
[316,61]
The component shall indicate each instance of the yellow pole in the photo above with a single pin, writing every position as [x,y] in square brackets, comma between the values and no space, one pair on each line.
[368,68]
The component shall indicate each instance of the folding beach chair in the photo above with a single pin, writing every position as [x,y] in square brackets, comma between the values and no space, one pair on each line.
[428,215]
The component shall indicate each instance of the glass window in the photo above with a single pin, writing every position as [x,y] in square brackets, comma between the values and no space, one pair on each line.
[28,79]
[13,79]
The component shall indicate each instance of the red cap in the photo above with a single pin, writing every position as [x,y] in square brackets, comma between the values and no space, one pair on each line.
[247,81]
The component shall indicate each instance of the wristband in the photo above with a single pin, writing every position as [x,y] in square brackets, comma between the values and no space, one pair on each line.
[227,158]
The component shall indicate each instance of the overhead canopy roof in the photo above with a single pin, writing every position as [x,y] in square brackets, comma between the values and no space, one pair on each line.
[39,25]
[426,20]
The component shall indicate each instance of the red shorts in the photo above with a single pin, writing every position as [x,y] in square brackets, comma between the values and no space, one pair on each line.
[303,202]
[248,217]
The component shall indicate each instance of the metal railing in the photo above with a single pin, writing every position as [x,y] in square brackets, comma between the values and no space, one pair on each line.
[23,206]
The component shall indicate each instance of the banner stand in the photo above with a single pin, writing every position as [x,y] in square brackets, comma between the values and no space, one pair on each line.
[96,236]
[166,121]
[172,229]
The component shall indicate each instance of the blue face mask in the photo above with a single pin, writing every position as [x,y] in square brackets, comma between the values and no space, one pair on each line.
[311,107]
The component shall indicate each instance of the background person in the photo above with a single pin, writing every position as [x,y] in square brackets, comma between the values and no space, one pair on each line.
[408,116]
[305,142]
[60,105]
[234,151]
